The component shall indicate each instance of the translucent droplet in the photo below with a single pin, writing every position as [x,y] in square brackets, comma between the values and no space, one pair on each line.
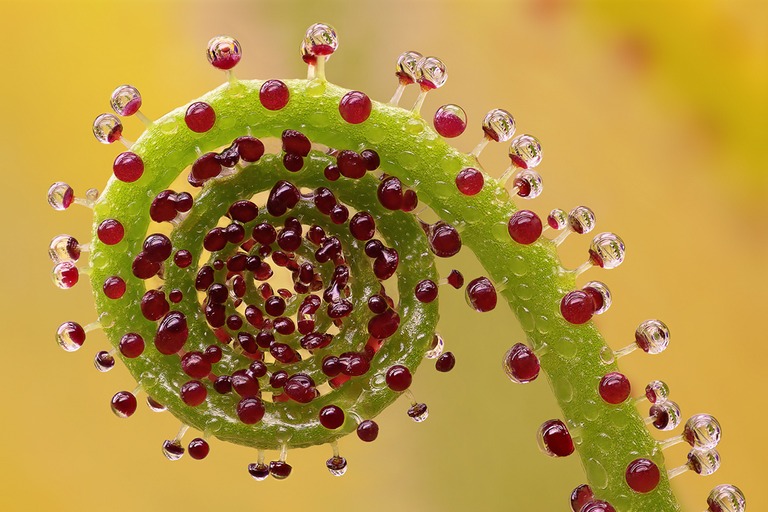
[431,73]
[60,196]
[525,151]
[702,432]
[436,349]
[666,415]
[92,194]
[70,336]
[657,392]
[607,250]
[407,69]
[418,412]
[652,336]
[125,100]
[529,184]
[600,294]
[557,219]
[321,39]
[581,220]
[107,128]
[64,248]
[172,449]
[65,275]
[336,465]
[703,462]
[726,498]
[223,52]
[104,361]
[499,125]
[154,405]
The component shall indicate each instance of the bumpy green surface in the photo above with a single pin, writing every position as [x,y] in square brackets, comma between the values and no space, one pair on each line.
[608,437]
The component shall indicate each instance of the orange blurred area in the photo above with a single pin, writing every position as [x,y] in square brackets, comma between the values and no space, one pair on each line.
[651,113]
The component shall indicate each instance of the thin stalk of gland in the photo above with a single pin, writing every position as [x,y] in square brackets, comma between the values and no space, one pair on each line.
[410,150]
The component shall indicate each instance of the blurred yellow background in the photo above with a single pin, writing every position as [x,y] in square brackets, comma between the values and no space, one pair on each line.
[651,113]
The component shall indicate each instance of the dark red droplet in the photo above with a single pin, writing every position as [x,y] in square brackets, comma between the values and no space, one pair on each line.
[555,439]
[597,506]
[131,345]
[249,148]
[200,117]
[124,404]
[455,279]
[283,196]
[445,362]
[384,325]
[524,227]
[426,291]
[580,496]
[470,181]
[110,232]
[154,305]
[351,164]
[198,448]
[292,162]
[301,388]
[158,247]
[521,364]
[368,431]
[114,287]
[296,143]
[481,294]
[128,167]
[196,365]
[274,94]
[444,239]
[355,107]
[362,226]
[250,410]
[372,159]
[614,388]
[144,268]
[577,307]
[172,333]
[280,470]
[163,207]
[398,378]
[642,475]
[331,417]
[193,393]
[390,193]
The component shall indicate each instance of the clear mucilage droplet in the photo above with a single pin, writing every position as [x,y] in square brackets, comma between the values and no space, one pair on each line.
[337,465]
[407,68]
[525,151]
[529,184]
[702,432]
[65,275]
[499,125]
[60,196]
[581,220]
[321,39]
[431,73]
[652,336]
[665,416]
[726,498]
[70,336]
[607,250]
[104,361]
[436,348]
[703,462]
[64,248]
[172,449]
[223,52]
[125,100]
[600,294]
[657,392]
[107,128]
[557,219]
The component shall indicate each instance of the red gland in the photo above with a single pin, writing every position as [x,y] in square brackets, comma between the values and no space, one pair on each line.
[351,164]
[390,193]
[158,247]
[331,417]
[131,345]
[642,475]
[110,232]
[470,181]
[250,410]
[577,307]
[445,362]
[154,305]
[128,167]
[280,470]
[368,431]
[274,94]
[362,226]
[114,287]
[524,227]
[296,143]
[448,124]
[355,107]
[614,388]
[300,388]
[455,279]
[398,378]
[580,496]
[521,364]
[193,393]
[384,325]
[198,448]
[444,239]
[554,439]
[481,294]
[195,365]
[200,117]
[172,333]
[426,291]
[124,404]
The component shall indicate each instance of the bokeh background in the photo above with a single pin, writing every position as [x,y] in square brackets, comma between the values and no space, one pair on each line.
[651,113]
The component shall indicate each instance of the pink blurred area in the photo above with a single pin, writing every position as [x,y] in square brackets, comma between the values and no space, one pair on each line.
[651,113]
